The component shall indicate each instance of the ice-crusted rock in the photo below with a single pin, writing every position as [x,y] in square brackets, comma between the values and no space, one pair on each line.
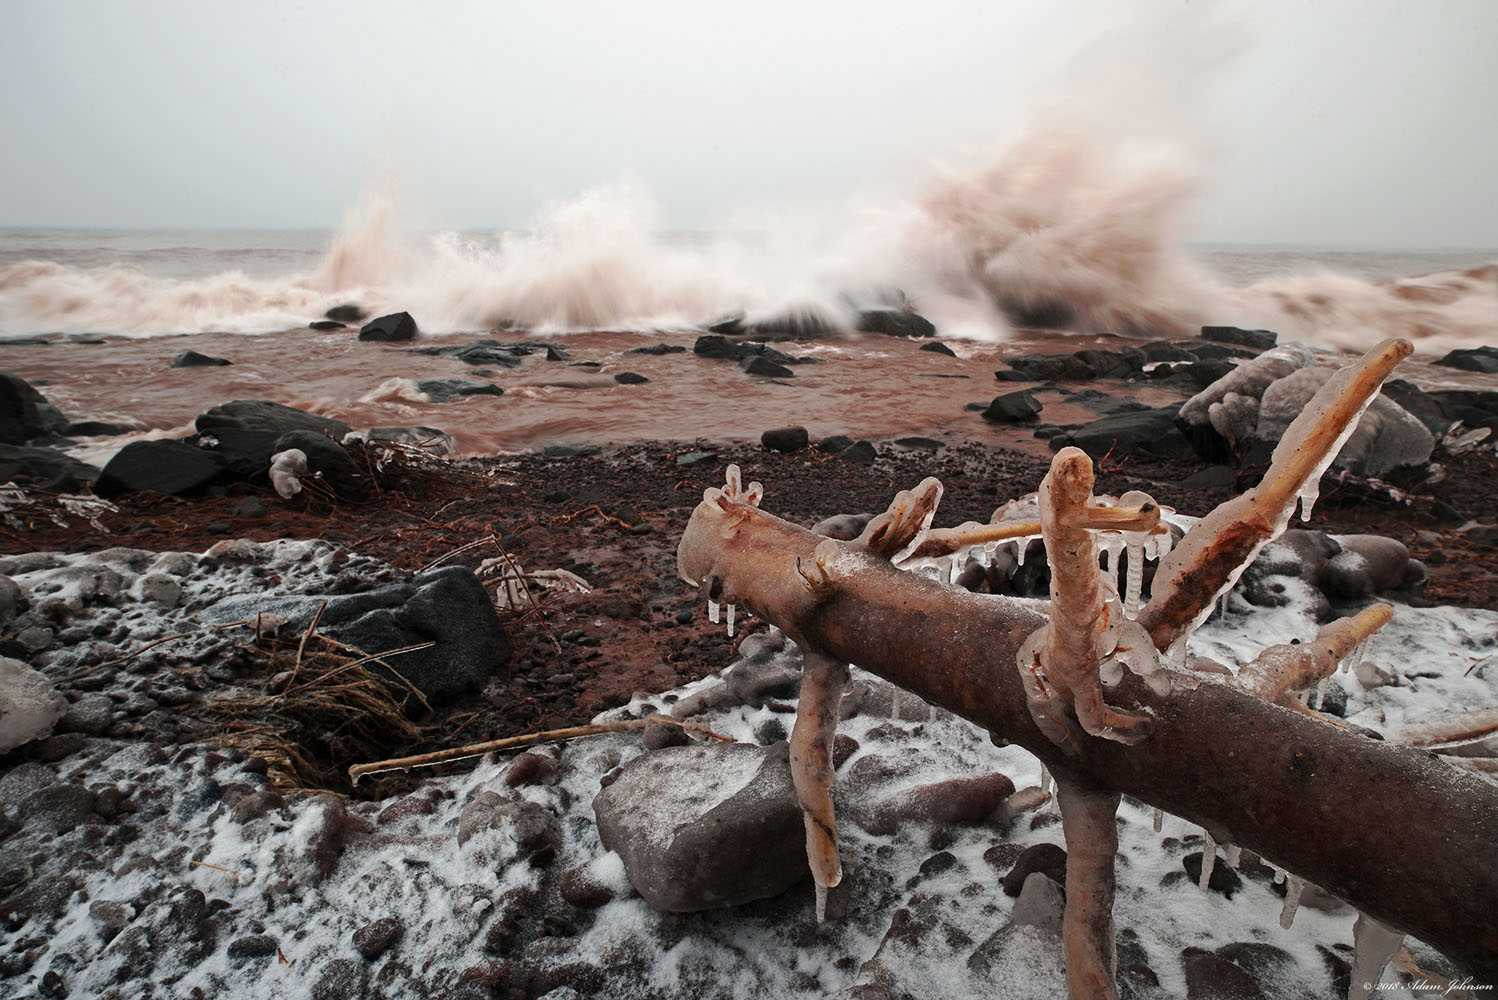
[705,826]
[29,705]
[1215,424]
[1387,436]
[448,607]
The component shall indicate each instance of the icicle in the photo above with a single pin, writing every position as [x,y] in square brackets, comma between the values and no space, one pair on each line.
[712,612]
[953,570]
[1354,659]
[1308,495]
[1045,779]
[730,620]
[1209,861]
[1293,888]
[1373,945]
[1232,854]
[821,902]
[894,702]
[1159,818]
[1320,698]
[1136,579]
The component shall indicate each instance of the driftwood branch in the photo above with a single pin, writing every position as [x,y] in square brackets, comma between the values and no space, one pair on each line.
[1407,839]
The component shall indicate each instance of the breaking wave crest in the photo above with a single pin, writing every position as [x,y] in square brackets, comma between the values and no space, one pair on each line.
[1062,229]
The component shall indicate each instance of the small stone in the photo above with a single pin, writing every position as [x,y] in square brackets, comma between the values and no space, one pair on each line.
[1047,858]
[374,938]
[253,946]
[192,359]
[630,378]
[937,347]
[859,453]
[1041,904]
[1013,408]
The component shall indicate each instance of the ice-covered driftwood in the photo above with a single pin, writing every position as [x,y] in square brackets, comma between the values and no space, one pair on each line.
[1407,839]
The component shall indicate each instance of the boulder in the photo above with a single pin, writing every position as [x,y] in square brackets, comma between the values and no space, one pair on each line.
[1013,408]
[1259,340]
[785,439]
[895,323]
[937,347]
[445,390]
[1148,432]
[265,416]
[44,469]
[715,345]
[758,364]
[387,329]
[326,324]
[705,826]
[859,453]
[1387,435]
[1221,435]
[448,607]
[29,705]
[25,413]
[1474,359]
[172,467]
[491,353]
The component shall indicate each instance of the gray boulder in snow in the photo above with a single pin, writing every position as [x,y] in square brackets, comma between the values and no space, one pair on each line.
[29,705]
[706,826]
[1224,414]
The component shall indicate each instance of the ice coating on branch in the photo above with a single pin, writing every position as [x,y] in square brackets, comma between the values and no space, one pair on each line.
[1209,859]
[822,683]
[1208,562]
[1287,668]
[1373,945]
[896,533]
[1063,663]
[1293,888]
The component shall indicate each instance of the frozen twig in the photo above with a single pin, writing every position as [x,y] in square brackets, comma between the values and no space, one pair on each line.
[822,683]
[1288,667]
[1090,826]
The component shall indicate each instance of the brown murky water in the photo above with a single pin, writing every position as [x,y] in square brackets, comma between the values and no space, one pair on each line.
[875,387]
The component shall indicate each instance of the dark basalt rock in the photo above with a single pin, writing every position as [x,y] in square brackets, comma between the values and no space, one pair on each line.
[1258,340]
[192,359]
[785,439]
[346,313]
[394,327]
[326,324]
[630,378]
[760,365]
[445,390]
[485,352]
[448,607]
[1013,408]
[25,414]
[1474,359]
[859,453]
[937,347]
[895,323]
[658,349]
[172,467]
[714,345]
[263,415]
[1148,432]
[44,469]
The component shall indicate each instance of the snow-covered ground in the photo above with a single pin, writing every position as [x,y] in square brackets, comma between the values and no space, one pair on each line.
[212,884]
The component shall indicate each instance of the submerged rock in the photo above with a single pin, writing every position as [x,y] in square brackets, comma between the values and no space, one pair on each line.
[706,826]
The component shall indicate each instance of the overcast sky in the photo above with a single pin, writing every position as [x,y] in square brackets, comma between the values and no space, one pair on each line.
[1346,122]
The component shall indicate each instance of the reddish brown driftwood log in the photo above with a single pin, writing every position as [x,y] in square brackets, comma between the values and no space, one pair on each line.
[1404,837]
